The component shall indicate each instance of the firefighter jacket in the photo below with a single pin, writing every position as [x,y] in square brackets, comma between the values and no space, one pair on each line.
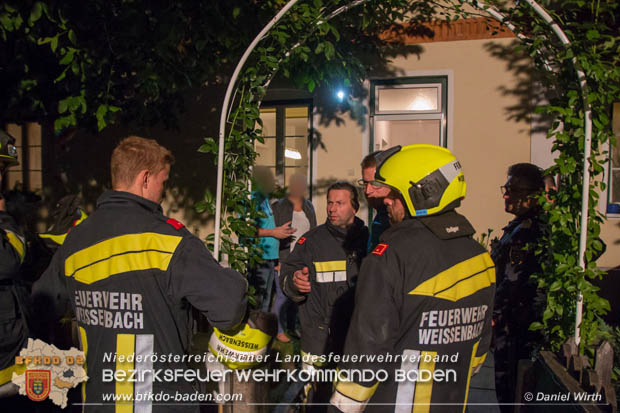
[14,300]
[131,276]
[423,309]
[333,256]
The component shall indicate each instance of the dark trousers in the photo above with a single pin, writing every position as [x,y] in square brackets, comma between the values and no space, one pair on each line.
[261,278]
[482,397]
[284,309]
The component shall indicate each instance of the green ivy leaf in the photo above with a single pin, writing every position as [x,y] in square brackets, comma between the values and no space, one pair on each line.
[54,43]
[536,325]
[35,13]
[72,38]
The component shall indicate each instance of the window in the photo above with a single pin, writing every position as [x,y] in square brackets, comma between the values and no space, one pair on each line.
[406,111]
[28,174]
[613,193]
[285,131]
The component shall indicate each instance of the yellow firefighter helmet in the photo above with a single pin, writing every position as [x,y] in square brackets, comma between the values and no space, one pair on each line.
[428,177]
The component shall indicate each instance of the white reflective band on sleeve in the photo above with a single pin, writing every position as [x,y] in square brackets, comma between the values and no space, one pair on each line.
[346,404]
[331,276]
[232,354]
[325,277]
[406,389]
[340,276]
[144,367]
[451,170]
[308,367]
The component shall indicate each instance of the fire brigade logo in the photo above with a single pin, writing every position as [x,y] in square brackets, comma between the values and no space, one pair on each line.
[38,384]
[48,373]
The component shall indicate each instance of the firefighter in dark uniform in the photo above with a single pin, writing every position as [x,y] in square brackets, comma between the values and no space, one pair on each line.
[131,276]
[518,302]
[320,275]
[14,300]
[424,297]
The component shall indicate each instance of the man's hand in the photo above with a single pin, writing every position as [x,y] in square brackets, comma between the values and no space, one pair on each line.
[301,280]
[283,231]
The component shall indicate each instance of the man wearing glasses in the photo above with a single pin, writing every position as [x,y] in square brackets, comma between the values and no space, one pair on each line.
[517,301]
[375,193]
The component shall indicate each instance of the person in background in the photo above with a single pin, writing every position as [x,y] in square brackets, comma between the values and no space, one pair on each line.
[375,194]
[15,307]
[320,275]
[295,208]
[550,186]
[518,302]
[262,275]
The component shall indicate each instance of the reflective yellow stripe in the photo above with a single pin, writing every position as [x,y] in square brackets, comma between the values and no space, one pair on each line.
[125,345]
[471,368]
[6,375]
[356,391]
[461,280]
[131,252]
[84,344]
[17,243]
[424,389]
[322,266]
[478,361]
[58,239]
[10,158]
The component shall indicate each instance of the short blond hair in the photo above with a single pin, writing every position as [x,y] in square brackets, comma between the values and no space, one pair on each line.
[134,154]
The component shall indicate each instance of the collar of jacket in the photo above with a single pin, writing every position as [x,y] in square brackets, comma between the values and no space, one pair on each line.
[447,225]
[530,215]
[341,233]
[129,199]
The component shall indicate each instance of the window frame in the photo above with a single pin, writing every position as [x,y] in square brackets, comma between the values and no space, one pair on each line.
[29,136]
[609,170]
[406,82]
[280,107]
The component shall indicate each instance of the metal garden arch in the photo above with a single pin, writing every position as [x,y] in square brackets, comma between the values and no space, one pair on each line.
[493,13]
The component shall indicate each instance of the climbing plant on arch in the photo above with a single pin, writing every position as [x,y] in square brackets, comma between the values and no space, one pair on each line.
[580,73]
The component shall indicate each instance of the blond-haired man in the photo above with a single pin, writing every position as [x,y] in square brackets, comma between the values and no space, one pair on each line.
[132,275]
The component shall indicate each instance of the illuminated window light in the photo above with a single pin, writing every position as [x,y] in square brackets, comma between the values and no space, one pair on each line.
[421,103]
[292,154]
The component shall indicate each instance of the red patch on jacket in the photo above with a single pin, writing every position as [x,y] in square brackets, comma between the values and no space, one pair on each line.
[301,240]
[176,224]
[380,249]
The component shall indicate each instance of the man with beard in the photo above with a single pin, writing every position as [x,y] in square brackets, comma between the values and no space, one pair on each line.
[375,193]
[424,298]
[320,275]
